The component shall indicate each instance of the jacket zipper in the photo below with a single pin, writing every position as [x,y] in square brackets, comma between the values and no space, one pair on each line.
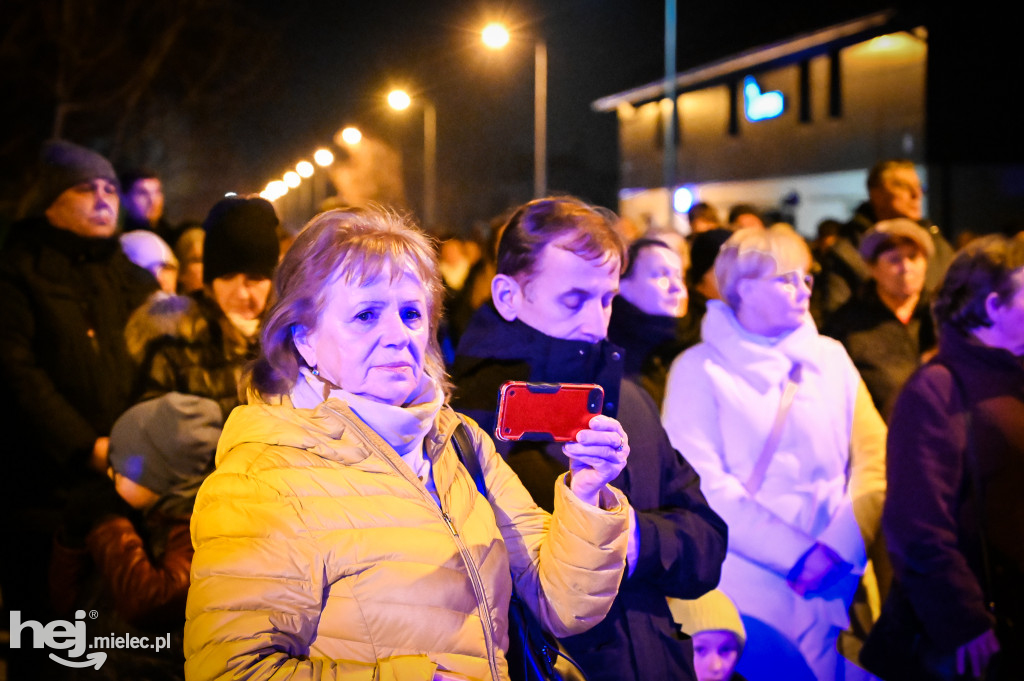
[474,573]
[481,593]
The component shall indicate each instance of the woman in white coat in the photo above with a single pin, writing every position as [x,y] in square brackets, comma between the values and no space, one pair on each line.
[788,444]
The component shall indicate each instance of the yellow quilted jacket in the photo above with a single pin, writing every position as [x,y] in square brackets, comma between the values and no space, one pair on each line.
[320,554]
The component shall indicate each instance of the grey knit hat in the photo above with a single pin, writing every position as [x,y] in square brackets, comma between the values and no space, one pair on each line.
[166,441]
[63,165]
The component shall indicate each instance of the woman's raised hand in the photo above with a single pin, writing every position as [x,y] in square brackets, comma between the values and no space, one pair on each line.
[596,457]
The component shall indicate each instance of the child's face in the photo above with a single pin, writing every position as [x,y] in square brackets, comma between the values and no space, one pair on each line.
[136,495]
[715,654]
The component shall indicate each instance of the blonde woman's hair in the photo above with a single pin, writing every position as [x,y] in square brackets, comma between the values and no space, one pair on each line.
[349,245]
[755,253]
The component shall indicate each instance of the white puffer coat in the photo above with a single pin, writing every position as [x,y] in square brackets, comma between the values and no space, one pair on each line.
[826,473]
[320,554]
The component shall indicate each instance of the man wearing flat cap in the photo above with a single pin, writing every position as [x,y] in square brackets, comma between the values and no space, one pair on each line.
[894,191]
[887,327]
[66,291]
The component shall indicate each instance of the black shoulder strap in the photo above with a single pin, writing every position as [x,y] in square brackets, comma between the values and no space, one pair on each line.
[467,455]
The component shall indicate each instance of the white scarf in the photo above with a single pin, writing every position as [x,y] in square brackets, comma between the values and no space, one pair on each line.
[402,427]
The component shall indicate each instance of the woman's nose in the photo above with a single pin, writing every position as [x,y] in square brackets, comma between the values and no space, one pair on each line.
[393,330]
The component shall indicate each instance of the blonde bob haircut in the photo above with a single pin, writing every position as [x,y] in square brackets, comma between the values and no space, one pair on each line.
[755,253]
[349,245]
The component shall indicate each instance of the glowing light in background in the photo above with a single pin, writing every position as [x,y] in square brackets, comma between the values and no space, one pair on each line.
[399,100]
[682,200]
[292,179]
[495,36]
[350,135]
[275,190]
[304,169]
[760,106]
[324,157]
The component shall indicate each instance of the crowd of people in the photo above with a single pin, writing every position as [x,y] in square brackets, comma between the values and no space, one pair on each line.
[279,451]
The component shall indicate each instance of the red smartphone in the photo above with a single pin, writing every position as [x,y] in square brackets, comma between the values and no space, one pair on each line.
[546,411]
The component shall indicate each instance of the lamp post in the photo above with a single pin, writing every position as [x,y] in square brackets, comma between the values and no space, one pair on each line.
[496,36]
[400,100]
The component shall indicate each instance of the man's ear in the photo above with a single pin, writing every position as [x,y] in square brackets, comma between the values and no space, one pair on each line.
[507,294]
[992,305]
[304,344]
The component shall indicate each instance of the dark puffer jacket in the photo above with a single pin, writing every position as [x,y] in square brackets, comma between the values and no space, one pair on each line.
[682,541]
[196,351]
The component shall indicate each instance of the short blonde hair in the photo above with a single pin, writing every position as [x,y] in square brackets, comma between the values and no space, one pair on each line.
[755,253]
[351,245]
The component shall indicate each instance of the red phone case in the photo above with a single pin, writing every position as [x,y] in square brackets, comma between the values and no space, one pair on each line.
[546,411]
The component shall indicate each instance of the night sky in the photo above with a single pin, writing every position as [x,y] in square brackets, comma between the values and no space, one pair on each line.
[299,71]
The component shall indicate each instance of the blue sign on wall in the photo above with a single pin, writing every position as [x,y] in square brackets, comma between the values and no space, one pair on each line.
[760,106]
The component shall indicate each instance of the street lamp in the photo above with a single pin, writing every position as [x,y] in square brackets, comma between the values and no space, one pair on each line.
[496,36]
[325,157]
[400,100]
[349,136]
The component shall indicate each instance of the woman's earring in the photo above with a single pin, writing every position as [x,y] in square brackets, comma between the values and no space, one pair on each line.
[315,372]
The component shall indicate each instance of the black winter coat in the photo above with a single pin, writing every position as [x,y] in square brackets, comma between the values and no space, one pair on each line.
[65,370]
[682,541]
[933,517]
[885,351]
[650,342]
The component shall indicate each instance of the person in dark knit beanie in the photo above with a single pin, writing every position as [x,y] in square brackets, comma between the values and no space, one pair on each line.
[63,165]
[241,238]
[217,334]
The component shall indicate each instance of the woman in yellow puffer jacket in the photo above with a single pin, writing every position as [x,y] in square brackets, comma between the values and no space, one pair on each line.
[340,537]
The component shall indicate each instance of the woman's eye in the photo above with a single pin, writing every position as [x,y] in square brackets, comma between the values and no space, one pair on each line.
[365,316]
[411,313]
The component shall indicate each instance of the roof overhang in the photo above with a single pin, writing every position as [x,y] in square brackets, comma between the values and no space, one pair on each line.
[759,58]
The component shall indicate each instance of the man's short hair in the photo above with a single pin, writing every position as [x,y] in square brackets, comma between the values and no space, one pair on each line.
[585,230]
[878,170]
[982,267]
[704,211]
[130,177]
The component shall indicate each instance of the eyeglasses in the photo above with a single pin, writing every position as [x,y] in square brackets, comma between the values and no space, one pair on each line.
[794,278]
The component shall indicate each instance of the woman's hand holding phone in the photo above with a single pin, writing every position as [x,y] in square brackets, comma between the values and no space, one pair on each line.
[596,457]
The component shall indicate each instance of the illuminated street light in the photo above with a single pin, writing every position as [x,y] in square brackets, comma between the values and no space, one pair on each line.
[304,169]
[324,157]
[495,36]
[399,100]
[275,190]
[492,37]
[349,135]
[292,179]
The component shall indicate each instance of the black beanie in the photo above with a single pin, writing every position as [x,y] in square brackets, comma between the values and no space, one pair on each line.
[63,165]
[166,441]
[241,238]
[703,251]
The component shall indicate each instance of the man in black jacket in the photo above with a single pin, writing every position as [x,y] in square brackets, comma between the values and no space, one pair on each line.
[66,291]
[559,262]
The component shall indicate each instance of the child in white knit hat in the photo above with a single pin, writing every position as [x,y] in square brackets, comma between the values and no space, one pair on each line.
[717,631]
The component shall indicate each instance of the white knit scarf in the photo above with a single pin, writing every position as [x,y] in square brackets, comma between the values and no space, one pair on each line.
[402,427]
